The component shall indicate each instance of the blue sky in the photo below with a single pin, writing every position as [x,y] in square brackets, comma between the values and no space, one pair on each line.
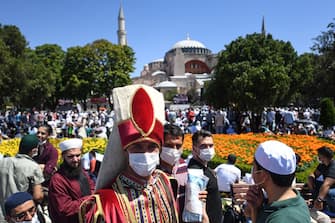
[154,26]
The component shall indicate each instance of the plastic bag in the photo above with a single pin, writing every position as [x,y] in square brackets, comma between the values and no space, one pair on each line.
[196,182]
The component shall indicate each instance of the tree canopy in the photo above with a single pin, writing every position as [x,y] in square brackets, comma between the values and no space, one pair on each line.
[28,77]
[39,77]
[95,69]
[324,46]
[257,71]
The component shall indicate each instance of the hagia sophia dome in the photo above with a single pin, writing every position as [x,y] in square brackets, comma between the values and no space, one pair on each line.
[185,66]
[188,43]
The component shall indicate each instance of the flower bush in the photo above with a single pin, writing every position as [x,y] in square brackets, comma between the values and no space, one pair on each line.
[244,145]
[11,147]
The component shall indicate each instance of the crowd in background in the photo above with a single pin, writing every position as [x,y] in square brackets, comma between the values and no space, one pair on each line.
[289,120]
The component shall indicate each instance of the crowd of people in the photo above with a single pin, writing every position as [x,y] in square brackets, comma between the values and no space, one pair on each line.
[99,123]
[142,176]
[229,121]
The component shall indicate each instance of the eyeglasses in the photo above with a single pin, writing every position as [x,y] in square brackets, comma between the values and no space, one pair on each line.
[23,215]
[74,155]
[42,133]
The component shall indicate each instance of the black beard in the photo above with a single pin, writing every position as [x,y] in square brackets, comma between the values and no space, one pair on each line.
[71,172]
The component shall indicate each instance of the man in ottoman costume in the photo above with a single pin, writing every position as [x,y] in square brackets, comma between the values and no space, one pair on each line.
[129,187]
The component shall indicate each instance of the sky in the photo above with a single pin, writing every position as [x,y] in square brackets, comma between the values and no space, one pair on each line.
[154,26]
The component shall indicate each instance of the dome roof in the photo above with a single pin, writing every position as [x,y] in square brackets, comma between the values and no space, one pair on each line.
[188,43]
[157,72]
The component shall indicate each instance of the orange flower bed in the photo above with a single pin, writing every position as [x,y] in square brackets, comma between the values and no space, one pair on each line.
[244,145]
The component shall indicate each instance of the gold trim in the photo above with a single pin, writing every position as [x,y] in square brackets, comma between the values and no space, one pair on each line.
[141,140]
[125,201]
[99,211]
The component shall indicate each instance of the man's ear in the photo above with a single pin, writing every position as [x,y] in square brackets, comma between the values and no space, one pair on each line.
[8,219]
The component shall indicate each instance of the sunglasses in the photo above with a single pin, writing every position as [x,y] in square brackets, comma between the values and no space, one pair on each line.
[23,215]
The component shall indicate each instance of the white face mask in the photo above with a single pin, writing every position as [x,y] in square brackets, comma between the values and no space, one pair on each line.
[170,155]
[33,220]
[143,164]
[207,154]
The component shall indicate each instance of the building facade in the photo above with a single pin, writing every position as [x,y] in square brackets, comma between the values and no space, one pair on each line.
[185,68]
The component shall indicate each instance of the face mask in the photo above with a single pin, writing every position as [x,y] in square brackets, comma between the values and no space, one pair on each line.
[207,154]
[143,164]
[33,220]
[170,155]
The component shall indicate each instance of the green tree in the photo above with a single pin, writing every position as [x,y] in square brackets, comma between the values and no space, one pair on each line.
[52,57]
[254,72]
[12,65]
[78,74]
[6,62]
[324,46]
[13,39]
[113,65]
[302,89]
[95,69]
[39,86]
[327,113]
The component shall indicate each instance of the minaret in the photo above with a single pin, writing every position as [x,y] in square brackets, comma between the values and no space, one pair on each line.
[121,33]
[263,27]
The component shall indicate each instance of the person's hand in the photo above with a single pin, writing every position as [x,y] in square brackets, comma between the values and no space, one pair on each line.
[42,166]
[254,199]
[318,204]
[203,195]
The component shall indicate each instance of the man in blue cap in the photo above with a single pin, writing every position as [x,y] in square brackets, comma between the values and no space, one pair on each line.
[20,207]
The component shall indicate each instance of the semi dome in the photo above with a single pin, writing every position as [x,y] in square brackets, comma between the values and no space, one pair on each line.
[188,43]
[167,84]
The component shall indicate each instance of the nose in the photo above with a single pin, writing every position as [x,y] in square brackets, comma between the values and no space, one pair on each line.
[29,216]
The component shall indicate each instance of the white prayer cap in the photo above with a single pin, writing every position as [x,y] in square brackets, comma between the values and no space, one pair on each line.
[276,157]
[71,144]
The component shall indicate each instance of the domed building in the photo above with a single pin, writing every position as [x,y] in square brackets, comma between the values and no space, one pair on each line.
[186,66]
[188,56]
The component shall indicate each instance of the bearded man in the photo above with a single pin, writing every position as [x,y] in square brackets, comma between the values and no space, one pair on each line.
[70,185]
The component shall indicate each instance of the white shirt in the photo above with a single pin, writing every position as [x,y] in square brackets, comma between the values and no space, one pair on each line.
[86,159]
[226,175]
